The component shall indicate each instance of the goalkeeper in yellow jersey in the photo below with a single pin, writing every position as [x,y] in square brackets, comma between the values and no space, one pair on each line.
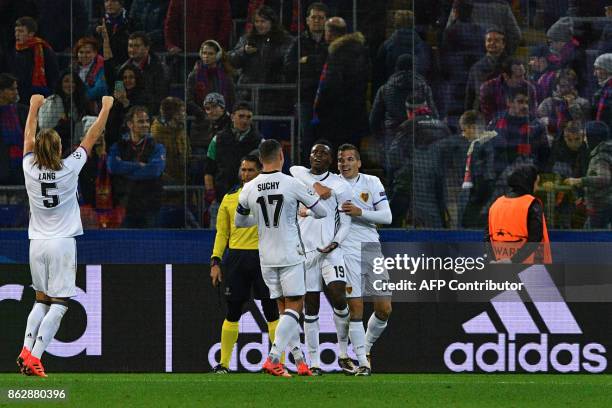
[241,270]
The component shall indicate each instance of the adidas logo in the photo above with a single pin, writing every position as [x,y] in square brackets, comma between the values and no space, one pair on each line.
[507,353]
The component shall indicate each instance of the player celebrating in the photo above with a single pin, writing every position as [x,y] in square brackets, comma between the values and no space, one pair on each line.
[55,220]
[273,198]
[368,208]
[323,241]
[242,267]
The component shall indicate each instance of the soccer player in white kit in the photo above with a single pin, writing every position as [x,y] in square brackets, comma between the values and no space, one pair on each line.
[271,201]
[368,208]
[323,241]
[55,220]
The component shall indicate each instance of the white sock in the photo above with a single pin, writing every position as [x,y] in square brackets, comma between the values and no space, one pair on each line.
[342,319]
[357,336]
[34,319]
[48,327]
[375,329]
[288,325]
[295,345]
[311,335]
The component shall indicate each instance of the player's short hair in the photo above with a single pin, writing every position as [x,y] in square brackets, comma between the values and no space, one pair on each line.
[7,80]
[472,117]
[269,150]
[27,22]
[253,159]
[129,116]
[347,146]
[146,40]
[323,142]
[318,6]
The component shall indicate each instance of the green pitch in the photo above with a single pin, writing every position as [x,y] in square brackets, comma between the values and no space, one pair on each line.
[259,390]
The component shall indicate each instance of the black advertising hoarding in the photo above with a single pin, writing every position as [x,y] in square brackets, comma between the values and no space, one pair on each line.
[156,318]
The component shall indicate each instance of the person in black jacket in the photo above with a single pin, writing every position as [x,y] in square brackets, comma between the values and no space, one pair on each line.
[340,104]
[303,64]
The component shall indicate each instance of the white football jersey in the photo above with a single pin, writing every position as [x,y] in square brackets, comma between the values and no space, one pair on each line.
[273,199]
[367,192]
[317,233]
[54,208]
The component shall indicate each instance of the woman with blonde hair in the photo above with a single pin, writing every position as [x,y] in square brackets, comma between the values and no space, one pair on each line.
[55,219]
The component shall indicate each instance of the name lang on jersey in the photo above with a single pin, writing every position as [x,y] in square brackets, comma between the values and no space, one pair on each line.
[270,185]
[46,176]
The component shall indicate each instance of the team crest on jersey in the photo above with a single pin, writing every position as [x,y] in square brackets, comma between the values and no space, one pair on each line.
[349,290]
[364,197]
[76,154]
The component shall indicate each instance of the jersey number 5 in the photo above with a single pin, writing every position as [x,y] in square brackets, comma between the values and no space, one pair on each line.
[275,200]
[50,200]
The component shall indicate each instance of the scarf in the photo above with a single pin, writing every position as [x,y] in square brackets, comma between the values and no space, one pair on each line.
[601,104]
[37,44]
[317,100]
[98,64]
[203,78]
[116,22]
[12,134]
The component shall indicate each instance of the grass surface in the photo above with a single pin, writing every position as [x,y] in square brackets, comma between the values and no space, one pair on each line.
[259,390]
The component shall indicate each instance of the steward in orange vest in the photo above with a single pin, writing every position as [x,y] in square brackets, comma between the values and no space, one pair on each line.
[516,227]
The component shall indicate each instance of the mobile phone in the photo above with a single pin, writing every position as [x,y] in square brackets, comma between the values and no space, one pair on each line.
[119,86]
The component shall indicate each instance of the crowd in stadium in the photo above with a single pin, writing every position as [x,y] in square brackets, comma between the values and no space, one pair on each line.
[444,98]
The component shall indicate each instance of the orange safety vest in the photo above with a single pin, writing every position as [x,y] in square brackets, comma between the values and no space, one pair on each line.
[508,229]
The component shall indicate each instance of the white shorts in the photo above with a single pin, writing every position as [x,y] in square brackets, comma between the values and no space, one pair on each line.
[284,281]
[360,272]
[53,266]
[324,268]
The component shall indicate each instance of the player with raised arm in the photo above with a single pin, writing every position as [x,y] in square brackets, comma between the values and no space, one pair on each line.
[368,208]
[55,220]
[323,242]
[271,201]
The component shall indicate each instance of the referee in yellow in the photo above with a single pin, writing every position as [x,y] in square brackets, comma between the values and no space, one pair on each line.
[241,268]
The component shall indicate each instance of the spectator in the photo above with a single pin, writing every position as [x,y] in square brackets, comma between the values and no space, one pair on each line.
[386,116]
[488,67]
[64,111]
[541,72]
[225,151]
[565,49]
[340,104]
[9,12]
[89,66]
[114,29]
[211,74]
[403,40]
[154,72]
[569,158]
[597,182]
[35,63]
[417,192]
[564,105]
[12,122]
[603,97]
[62,22]
[493,93]
[190,21]
[149,16]
[479,177]
[129,92]
[463,34]
[136,163]
[303,65]
[519,136]
[496,13]
[260,57]
[169,130]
